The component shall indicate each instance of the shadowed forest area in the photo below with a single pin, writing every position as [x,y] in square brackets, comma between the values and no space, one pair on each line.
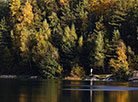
[58,38]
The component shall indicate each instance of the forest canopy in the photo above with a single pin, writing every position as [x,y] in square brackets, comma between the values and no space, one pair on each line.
[58,38]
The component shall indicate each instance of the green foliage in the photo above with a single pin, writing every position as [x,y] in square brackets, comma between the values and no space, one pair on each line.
[49,67]
[42,40]
[116,36]
[45,35]
[7,61]
[26,44]
[97,56]
[121,74]
[68,16]
[133,62]
[4,9]
[121,62]
[77,71]
[69,39]
[37,15]
[81,16]
[45,54]
[99,51]
[112,47]
[5,54]
[3,30]
[119,15]
[57,31]
[121,66]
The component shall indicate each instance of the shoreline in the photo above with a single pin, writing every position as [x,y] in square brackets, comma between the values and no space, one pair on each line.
[21,76]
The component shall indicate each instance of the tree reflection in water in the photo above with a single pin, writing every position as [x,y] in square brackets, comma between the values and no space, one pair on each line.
[53,91]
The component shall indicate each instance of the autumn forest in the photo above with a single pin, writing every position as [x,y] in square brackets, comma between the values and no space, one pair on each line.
[59,38]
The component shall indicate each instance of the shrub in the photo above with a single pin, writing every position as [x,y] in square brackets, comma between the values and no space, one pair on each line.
[77,71]
[121,75]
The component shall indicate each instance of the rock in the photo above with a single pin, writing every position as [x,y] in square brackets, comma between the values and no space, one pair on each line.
[133,76]
[93,78]
[8,76]
[109,78]
[33,77]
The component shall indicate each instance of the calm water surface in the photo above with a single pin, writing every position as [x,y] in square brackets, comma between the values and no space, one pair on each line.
[17,90]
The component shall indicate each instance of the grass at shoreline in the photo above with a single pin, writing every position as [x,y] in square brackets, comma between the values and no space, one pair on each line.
[100,76]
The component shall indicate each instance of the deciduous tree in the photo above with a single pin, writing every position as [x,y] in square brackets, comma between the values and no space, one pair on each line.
[121,61]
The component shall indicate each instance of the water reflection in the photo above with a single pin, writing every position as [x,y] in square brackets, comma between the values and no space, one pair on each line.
[91,83]
[53,91]
[112,92]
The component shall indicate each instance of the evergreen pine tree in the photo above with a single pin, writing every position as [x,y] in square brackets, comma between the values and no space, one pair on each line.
[57,31]
[97,55]
[120,64]
[3,33]
[5,54]
[45,54]
[7,62]
[111,46]
[99,51]
[68,47]
[25,48]
[37,15]
[81,16]
[67,17]
[4,9]
[69,39]
[120,13]
[99,7]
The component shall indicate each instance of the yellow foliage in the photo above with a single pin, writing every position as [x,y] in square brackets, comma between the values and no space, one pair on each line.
[59,70]
[14,7]
[47,32]
[73,32]
[81,41]
[100,6]
[121,61]
[70,35]
[114,64]
[93,5]
[44,46]
[27,15]
[22,17]
[24,40]
[67,32]
[12,34]
[100,26]
[77,71]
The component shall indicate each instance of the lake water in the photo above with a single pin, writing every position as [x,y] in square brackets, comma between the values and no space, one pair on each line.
[34,90]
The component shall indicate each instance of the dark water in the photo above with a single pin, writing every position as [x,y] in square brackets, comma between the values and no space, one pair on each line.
[17,90]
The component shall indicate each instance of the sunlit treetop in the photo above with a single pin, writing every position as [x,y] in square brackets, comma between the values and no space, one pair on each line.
[14,6]
[100,6]
[64,2]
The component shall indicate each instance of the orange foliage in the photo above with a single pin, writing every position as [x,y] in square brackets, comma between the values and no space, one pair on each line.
[121,59]
[64,2]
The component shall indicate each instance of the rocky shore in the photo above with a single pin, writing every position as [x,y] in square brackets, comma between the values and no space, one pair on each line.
[15,77]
